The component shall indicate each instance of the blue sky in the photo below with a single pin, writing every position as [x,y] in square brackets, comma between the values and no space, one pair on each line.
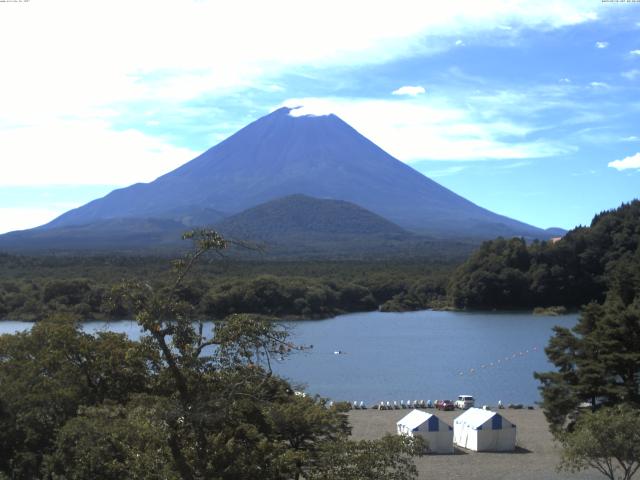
[530,109]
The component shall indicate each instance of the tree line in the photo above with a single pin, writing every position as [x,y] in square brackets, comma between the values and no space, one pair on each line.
[33,288]
[501,274]
[576,270]
[592,398]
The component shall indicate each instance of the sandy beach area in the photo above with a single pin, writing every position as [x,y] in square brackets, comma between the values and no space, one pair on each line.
[536,456]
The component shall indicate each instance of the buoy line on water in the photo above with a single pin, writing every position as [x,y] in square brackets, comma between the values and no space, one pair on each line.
[500,361]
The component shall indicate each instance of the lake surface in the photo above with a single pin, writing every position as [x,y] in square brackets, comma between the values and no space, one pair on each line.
[410,356]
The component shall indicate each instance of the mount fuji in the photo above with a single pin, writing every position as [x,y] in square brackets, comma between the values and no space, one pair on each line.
[282,155]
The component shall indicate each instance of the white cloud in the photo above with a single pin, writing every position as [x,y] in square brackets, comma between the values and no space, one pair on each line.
[631,138]
[444,172]
[631,74]
[599,85]
[602,44]
[565,80]
[73,66]
[436,130]
[459,43]
[273,88]
[100,53]
[22,218]
[511,166]
[635,52]
[87,152]
[631,162]
[97,53]
[409,90]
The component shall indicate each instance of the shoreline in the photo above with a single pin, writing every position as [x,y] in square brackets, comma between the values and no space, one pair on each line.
[535,312]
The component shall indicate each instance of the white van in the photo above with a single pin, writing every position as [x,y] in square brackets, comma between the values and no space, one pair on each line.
[464,401]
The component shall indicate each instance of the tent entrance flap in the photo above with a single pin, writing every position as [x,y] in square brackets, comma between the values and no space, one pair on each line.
[496,422]
[433,424]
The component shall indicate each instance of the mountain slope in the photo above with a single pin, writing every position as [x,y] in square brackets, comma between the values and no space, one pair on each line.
[300,216]
[293,227]
[319,156]
[100,235]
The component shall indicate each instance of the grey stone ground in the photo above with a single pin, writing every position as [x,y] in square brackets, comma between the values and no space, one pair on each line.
[535,459]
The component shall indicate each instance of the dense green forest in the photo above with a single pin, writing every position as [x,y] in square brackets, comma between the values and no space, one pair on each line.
[592,397]
[175,405]
[598,360]
[578,269]
[501,274]
[33,287]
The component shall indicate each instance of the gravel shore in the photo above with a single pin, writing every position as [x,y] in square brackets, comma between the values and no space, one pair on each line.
[535,458]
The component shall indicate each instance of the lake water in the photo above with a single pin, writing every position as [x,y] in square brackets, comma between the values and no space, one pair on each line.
[410,356]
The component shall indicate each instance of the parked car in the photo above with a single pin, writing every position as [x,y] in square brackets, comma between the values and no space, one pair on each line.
[464,402]
[445,405]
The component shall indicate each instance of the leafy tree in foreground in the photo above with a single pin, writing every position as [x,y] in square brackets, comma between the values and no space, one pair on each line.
[390,458]
[607,440]
[216,390]
[46,374]
[230,417]
[597,361]
[111,442]
[185,402]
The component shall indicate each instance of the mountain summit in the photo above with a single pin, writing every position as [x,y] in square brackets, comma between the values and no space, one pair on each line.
[319,156]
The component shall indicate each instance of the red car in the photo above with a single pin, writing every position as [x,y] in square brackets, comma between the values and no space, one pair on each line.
[445,405]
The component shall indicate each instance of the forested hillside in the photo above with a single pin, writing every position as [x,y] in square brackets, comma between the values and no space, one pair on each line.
[31,288]
[571,272]
[501,274]
[598,360]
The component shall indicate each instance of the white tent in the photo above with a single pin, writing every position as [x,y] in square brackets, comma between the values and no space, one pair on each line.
[484,431]
[437,433]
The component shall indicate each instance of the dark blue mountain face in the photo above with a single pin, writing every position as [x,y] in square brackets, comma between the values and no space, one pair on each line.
[319,156]
[303,217]
[121,234]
